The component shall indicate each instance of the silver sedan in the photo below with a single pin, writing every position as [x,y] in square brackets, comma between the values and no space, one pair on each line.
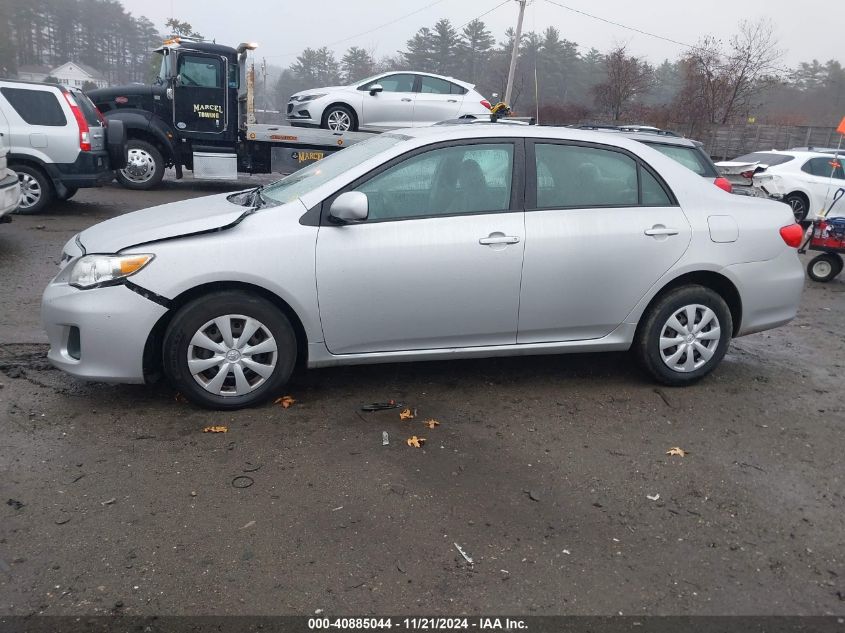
[431,243]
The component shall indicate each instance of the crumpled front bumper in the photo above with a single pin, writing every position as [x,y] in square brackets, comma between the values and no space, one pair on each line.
[98,334]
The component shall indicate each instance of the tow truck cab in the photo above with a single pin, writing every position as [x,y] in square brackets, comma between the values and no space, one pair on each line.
[188,118]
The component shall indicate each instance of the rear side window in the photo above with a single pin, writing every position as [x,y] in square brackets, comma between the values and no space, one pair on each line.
[572,176]
[435,85]
[690,157]
[825,167]
[767,158]
[36,107]
[89,110]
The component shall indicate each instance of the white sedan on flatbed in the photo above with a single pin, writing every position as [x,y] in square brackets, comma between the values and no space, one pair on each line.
[387,101]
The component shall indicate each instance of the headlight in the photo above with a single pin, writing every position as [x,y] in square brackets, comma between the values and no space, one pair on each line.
[93,270]
[304,98]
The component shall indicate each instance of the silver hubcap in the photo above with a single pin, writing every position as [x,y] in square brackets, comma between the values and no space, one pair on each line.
[339,120]
[30,190]
[822,268]
[797,208]
[232,355]
[140,166]
[689,338]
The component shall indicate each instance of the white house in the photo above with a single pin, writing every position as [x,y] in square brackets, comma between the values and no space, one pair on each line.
[68,74]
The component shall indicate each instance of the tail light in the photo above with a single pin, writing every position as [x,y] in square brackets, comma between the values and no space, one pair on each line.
[724,183]
[486,104]
[84,132]
[792,234]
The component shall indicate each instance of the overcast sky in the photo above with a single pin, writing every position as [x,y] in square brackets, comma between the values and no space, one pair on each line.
[806,29]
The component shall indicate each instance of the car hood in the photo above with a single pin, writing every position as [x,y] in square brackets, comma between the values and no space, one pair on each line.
[319,91]
[198,215]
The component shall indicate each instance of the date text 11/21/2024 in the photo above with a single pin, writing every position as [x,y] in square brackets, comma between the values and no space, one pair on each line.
[421,623]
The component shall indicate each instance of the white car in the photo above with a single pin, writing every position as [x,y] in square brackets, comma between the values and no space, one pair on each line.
[806,180]
[387,101]
[10,188]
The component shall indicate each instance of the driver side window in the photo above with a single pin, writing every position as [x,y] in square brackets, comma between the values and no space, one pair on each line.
[395,83]
[201,72]
[448,181]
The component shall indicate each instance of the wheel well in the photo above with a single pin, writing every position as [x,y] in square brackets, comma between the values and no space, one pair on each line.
[717,283]
[152,349]
[345,105]
[140,135]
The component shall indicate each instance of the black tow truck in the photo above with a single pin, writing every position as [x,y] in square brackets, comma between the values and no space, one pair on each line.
[199,115]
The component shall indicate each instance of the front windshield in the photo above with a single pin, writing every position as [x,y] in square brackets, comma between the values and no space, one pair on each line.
[309,178]
[366,80]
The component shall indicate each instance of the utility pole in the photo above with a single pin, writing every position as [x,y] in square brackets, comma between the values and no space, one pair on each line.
[515,51]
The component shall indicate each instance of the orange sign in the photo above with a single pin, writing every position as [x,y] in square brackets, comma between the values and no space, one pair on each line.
[841,128]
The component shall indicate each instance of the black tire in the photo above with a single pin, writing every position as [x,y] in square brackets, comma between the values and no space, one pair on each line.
[353,125]
[800,205]
[194,315]
[654,324]
[824,267]
[36,187]
[69,193]
[130,176]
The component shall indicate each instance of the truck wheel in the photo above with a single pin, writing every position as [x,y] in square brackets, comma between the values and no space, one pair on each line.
[339,118]
[144,166]
[684,335]
[229,350]
[36,189]
[824,267]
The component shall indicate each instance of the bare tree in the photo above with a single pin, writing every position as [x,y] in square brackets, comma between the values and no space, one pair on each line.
[627,78]
[719,85]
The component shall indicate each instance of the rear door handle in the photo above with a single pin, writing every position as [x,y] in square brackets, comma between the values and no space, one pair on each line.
[499,239]
[452,100]
[661,230]
[406,99]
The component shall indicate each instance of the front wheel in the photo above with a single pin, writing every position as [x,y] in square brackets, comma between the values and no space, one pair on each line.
[229,350]
[339,118]
[824,267]
[144,166]
[684,335]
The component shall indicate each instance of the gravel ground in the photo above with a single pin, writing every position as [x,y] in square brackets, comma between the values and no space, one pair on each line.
[550,473]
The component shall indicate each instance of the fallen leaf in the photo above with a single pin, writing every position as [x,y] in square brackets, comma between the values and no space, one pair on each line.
[676,451]
[216,429]
[431,423]
[415,441]
[285,402]
[407,414]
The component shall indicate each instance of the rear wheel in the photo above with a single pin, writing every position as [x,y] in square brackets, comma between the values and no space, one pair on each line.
[824,267]
[339,118]
[684,336]
[36,189]
[144,166]
[800,206]
[229,350]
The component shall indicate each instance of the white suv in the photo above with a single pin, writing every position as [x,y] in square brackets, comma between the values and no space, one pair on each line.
[806,180]
[57,142]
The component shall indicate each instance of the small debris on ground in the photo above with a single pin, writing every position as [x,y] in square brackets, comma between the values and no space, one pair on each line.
[534,496]
[675,450]
[285,402]
[242,481]
[464,554]
[180,398]
[652,497]
[108,502]
[381,406]
[216,429]
[385,438]
[17,505]
[415,441]
[431,423]
[248,525]
[62,520]
[407,414]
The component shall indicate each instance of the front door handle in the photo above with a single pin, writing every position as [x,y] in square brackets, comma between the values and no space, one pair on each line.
[406,99]
[659,229]
[499,239]
[452,100]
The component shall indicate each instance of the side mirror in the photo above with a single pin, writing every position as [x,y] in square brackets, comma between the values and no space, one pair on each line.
[351,206]
[376,88]
[177,81]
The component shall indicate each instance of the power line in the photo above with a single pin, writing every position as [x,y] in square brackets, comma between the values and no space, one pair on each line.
[483,14]
[619,24]
[372,30]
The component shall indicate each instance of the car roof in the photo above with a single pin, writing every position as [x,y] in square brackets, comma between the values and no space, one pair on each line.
[49,84]
[460,82]
[650,137]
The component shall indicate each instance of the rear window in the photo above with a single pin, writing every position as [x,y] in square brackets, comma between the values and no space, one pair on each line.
[89,110]
[36,107]
[690,157]
[767,158]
